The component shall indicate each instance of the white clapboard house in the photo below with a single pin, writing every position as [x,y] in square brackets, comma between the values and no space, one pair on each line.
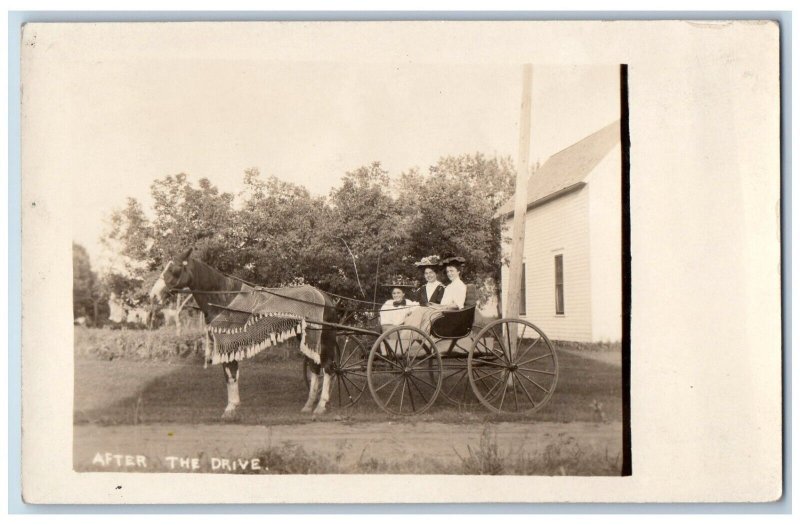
[572,283]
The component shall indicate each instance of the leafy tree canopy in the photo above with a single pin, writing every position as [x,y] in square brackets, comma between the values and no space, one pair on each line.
[276,233]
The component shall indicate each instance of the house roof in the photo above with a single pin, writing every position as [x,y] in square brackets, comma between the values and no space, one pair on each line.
[567,169]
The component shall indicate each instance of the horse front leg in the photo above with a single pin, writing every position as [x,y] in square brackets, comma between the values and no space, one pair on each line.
[313,387]
[231,370]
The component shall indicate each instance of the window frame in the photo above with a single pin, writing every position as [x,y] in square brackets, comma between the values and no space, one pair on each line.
[559,286]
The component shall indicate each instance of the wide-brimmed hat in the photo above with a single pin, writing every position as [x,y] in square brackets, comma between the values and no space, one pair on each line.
[452,260]
[404,287]
[431,261]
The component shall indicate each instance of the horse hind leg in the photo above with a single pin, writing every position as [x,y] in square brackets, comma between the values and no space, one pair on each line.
[232,383]
[326,393]
[313,389]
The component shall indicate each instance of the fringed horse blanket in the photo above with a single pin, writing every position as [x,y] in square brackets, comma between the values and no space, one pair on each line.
[260,318]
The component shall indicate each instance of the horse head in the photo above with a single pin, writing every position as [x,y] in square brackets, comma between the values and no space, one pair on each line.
[176,275]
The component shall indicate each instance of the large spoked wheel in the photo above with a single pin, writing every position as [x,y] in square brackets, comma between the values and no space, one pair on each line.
[404,371]
[349,371]
[512,367]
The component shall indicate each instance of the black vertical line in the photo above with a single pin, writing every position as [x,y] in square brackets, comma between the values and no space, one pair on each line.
[625,141]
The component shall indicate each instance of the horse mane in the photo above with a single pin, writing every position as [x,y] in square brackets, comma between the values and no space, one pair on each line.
[208,279]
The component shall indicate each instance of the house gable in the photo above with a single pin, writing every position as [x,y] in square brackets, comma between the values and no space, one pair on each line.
[567,170]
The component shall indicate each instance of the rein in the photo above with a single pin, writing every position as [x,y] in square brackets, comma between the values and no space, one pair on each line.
[264,290]
[257,288]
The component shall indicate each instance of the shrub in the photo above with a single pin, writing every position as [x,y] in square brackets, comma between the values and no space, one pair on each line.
[145,345]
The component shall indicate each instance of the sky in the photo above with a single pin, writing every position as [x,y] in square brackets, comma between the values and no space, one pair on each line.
[129,122]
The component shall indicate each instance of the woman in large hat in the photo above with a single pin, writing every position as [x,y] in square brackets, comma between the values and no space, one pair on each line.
[394,311]
[453,297]
[455,294]
[432,290]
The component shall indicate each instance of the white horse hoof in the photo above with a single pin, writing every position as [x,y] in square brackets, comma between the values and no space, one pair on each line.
[305,410]
[319,411]
[229,415]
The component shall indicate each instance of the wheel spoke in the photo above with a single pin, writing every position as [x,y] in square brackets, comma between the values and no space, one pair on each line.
[481,379]
[488,394]
[503,395]
[393,363]
[398,343]
[353,371]
[359,389]
[412,353]
[543,389]
[483,342]
[510,345]
[464,391]
[500,342]
[402,394]
[457,371]
[514,387]
[412,379]
[426,382]
[339,389]
[411,395]
[534,343]
[490,374]
[398,381]
[350,356]
[535,370]
[490,363]
[522,385]
[530,346]
[410,365]
[346,388]
[490,351]
[534,359]
[458,382]
[385,384]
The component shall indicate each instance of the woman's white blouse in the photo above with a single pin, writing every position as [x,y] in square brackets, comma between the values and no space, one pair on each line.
[455,292]
[391,314]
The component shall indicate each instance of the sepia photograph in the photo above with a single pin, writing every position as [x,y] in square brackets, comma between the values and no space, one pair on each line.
[346,251]
[313,269]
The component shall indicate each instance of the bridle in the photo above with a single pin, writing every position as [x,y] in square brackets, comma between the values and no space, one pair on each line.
[179,284]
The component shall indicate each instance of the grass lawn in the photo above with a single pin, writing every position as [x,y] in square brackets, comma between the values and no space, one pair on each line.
[123,391]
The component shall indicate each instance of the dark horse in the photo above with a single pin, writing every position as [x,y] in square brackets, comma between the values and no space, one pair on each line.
[185,272]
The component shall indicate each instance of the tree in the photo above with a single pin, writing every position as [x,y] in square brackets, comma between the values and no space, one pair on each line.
[363,226]
[274,230]
[453,210]
[201,217]
[130,240]
[88,296]
[368,228]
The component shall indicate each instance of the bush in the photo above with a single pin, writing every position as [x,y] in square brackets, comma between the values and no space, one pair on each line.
[140,345]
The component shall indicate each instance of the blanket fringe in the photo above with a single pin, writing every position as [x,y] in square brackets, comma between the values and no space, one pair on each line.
[273,338]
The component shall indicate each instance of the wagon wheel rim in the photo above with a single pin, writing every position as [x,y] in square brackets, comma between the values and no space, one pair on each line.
[350,371]
[404,371]
[512,375]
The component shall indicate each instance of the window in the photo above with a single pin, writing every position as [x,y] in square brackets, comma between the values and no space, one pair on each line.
[523,298]
[559,284]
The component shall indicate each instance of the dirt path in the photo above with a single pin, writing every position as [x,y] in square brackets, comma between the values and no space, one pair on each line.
[342,443]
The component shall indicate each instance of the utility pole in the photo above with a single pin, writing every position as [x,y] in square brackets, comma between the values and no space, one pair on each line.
[514,297]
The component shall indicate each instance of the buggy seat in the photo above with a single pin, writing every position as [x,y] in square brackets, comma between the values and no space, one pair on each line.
[457,324]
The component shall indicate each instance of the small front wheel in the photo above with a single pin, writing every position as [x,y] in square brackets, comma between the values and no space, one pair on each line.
[404,371]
